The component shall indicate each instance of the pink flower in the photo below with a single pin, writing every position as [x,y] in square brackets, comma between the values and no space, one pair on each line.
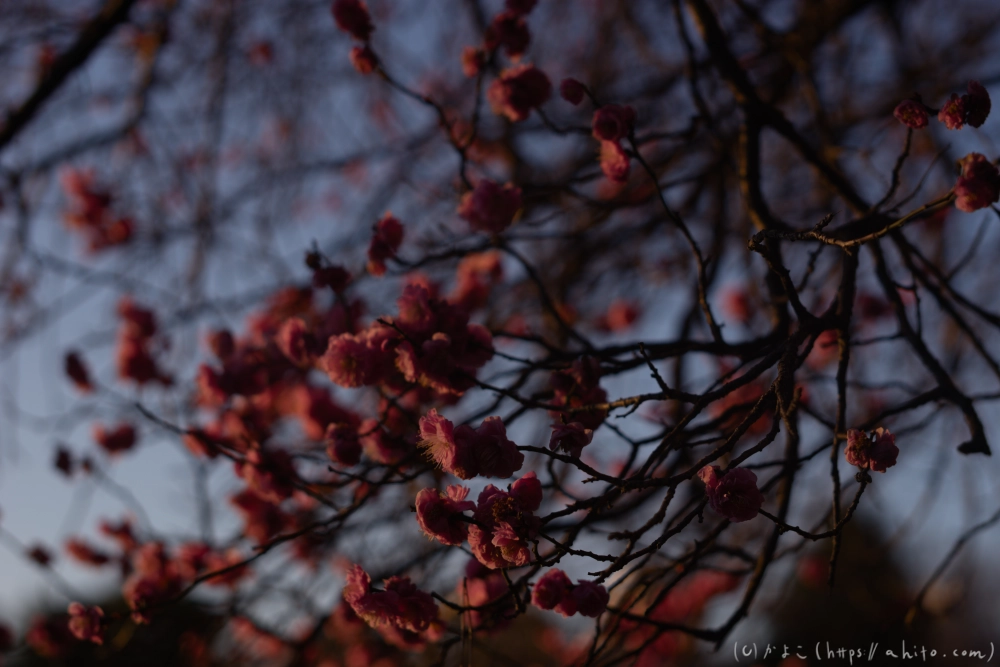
[437,436]
[335,277]
[978,185]
[401,605]
[550,589]
[577,387]
[466,452]
[76,370]
[474,278]
[296,342]
[342,445]
[734,494]
[912,114]
[621,316]
[385,242]
[415,610]
[554,591]
[352,17]
[977,104]
[952,113]
[614,161]
[876,451]
[591,599]
[505,523]
[510,31]
[270,473]
[121,439]
[381,446]
[85,622]
[440,516]
[473,61]
[263,519]
[572,91]
[349,361]
[495,455]
[571,438]
[482,586]
[86,554]
[490,207]
[364,59]
[517,91]
[613,122]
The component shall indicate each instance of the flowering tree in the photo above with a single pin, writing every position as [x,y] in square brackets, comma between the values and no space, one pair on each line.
[663,286]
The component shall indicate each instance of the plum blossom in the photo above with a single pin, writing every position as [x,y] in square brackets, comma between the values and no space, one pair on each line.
[555,591]
[120,439]
[85,622]
[481,586]
[505,523]
[570,438]
[467,452]
[342,445]
[976,103]
[509,30]
[517,91]
[875,451]
[363,59]
[613,122]
[550,590]
[614,161]
[352,17]
[490,207]
[76,370]
[473,61]
[384,244]
[577,387]
[952,113]
[401,604]
[912,114]
[440,515]
[978,184]
[733,494]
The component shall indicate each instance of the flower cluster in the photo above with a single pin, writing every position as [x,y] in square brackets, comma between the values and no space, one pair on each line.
[570,438]
[119,439]
[399,611]
[385,243]
[490,207]
[733,494]
[467,452]
[875,451]
[352,17]
[91,212]
[483,586]
[440,515]
[508,30]
[958,111]
[978,184]
[579,387]
[135,345]
[431,344]
[517,91]
[555,591]
[505,523]
[86,623]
